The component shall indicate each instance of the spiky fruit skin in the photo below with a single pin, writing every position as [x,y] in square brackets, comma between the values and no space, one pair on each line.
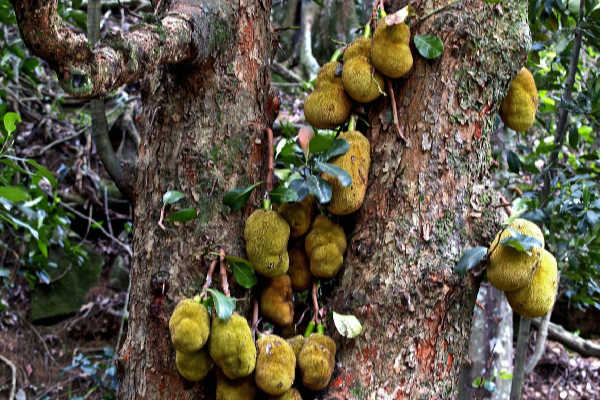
[390,51]
[298,215]
[520,104]
[296,342]
[237,389]
[276,301]
[193,366]
[356,161]
[231,346]
[361,81]
[292,394]
[328,105]
[510,269]
[189,326]
[299,269]
[316,361]
[537,298]
[267,235]
[325,245]
[275,365]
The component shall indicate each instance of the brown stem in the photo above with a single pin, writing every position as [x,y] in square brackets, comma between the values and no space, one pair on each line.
[506,205]
[394,109]
[437,10]
[315,303]
[223,272]
[269,179]
[162,217]
[208,281]
[254,315]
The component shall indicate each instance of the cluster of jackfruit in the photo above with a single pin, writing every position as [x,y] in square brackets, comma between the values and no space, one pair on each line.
[316,361]
[276,301]
[520,104]
[298,215]
[328,105]
[325,245]
[528,280]
[267,234]
[361,81]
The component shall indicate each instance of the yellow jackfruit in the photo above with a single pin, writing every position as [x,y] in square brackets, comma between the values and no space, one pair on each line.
[189,326]
[356,161]
[231,346]
[316,361]
[275,365]
[328,105]
[298,215]
[193,366]
[510,269]
[325,245]
[537,298]
[360,79]
[276,301]
[296,342]
[299,269]
[267,235]
[390,51]
[520,104]
[236,389]
[292,394]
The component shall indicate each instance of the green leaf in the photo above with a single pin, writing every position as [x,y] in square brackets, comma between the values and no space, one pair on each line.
[522,243]
[514,163]
[471,258]
[319,188]
[342,176]
[504,374]
[172,196]
[337,148]
[573,137]
[184,215]
[224,306]
[322,141]
[347,325]
[14,193]
[11,119]
[477,382]
[243,271]
[429,46]
[282,194]
[300,187]
[237,198]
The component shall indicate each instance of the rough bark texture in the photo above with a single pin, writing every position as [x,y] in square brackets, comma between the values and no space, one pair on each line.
[426,202]
[200,138]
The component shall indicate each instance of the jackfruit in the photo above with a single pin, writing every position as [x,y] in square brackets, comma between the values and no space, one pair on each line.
[231,346]
[390,51]
[520,104]
[275,365]
[510,269]
[189,326]
[298,215]
[316,361]
[361,81]
[328,105]
[267,235]
[296,342]
[537,298]
[356,161]
[299,269]
[193,366]
[276,301]
[325,245]
[236,389]
[292,394]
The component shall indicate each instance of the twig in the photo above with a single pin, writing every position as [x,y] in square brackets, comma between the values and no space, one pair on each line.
[286,73]
[540,344]
[520,359]
[208,281]
[254,315]
[62,140]
[394,110]
[315,303]
[40,338]
[110,229]
[223,272]
[584,347]
[269,180]
[162,216]
[13,387]
[437,10]
[506,205]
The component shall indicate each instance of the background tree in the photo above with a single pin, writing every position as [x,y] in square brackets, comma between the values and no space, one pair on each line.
[206,100]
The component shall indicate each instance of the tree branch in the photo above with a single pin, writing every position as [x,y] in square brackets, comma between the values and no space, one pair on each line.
[584,347]
[520,359]
[540,344]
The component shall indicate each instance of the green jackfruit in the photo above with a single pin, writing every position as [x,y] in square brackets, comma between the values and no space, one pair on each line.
[520,104]
[390,52]
[231,346]
[299,269]
[360,79]
[237,389]
[298,215]
[537,298]
[267,235]
[356,161]
[316,361]
[275,365]
[193,366]
[508,268]
[292,394]
[189,326]
[296,342]
[325,245]
[328,105]
[276,301]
